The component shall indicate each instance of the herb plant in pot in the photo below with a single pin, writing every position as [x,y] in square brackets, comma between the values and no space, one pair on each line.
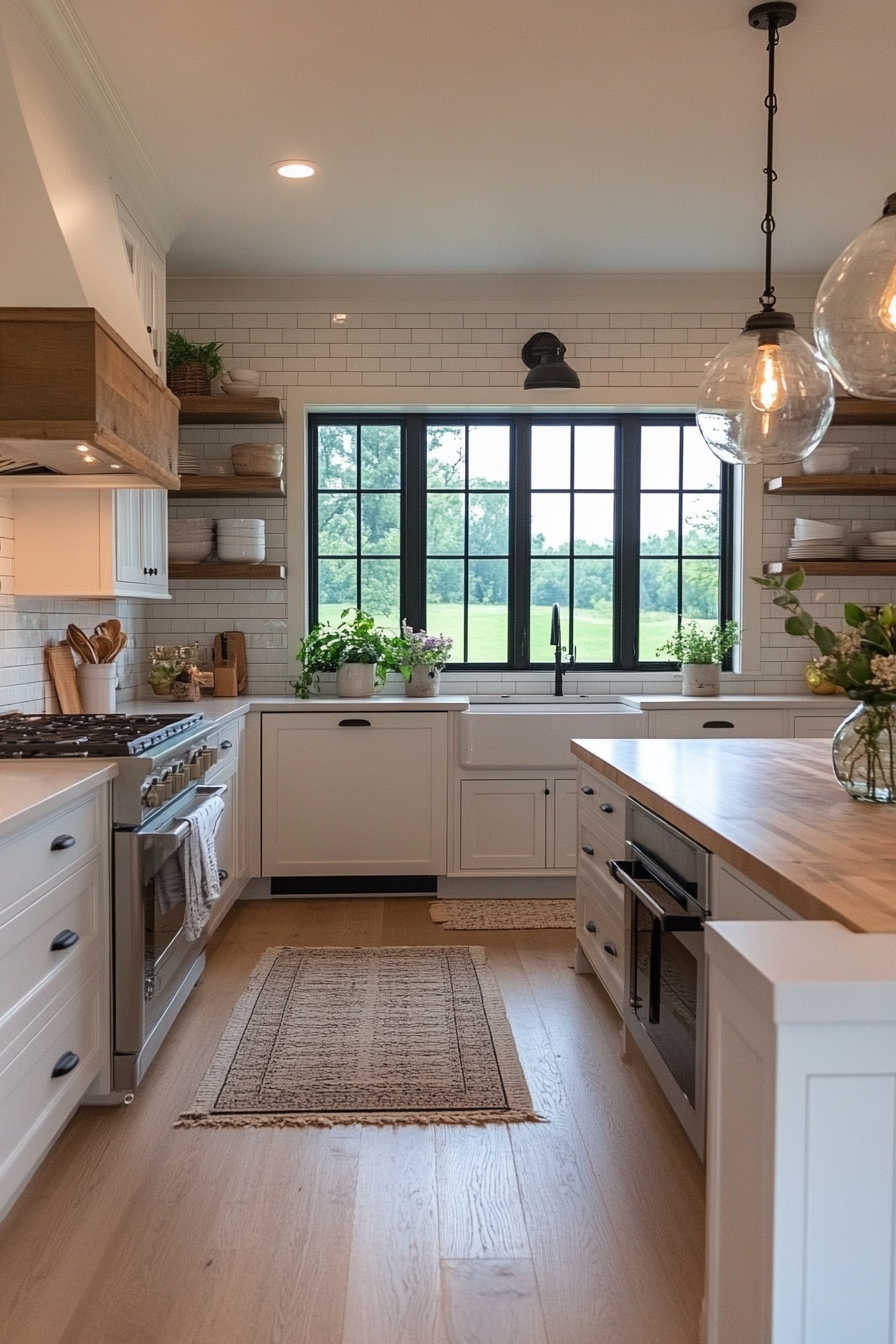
[191,367]
[355,649]
[700,652]
[419,658]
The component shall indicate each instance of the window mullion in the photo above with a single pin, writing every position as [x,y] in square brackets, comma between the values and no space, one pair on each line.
[412,566]
[626,585]
[520,542]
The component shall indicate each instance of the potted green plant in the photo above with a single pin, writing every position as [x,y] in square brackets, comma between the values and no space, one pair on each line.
[191,367]
[355,649]
[419,658]
[700,651]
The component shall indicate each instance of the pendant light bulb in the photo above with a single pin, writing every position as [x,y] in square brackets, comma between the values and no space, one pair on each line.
[769,389]
[855,311]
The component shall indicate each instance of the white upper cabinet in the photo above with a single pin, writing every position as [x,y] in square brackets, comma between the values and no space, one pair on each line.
[148,269]
[91,543]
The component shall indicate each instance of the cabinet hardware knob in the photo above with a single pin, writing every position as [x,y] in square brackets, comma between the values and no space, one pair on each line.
[587,849]
[607,807]
[591,926]
[586,788]
[223,874]
[610,949]
[225,746]
[547,790]
[145,570]
[718,723]
[67,938]
[64,1064]
[354,723]
[63,842]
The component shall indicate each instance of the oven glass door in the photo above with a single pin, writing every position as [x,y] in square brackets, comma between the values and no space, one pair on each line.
[666,969]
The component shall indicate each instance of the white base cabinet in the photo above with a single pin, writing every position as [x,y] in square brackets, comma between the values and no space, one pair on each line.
[354,793]
[91,543]
[517,824]
[231,841]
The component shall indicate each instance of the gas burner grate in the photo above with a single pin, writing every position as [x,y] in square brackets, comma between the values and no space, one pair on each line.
[36,735]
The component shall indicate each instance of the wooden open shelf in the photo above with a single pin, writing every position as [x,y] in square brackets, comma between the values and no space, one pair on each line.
[226,410]
[844,484]
[220,570]
[865,568]
[857,411]
[255,487]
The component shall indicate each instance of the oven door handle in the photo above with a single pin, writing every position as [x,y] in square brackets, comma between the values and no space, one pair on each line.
[183,823]
[672,920]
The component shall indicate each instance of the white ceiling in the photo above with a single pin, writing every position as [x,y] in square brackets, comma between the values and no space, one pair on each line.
[485,136]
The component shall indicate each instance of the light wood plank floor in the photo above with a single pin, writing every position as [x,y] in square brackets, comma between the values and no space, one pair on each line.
[584,1230]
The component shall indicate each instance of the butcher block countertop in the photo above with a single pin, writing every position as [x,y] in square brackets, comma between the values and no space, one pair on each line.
[774,811]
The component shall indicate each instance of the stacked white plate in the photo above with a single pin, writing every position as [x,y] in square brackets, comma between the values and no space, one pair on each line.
[813,540]
[187,463]
[190,540]
[883,547]
[241,539]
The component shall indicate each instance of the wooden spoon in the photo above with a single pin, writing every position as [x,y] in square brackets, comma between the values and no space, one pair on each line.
[117,646]
[81,644]
[102,646]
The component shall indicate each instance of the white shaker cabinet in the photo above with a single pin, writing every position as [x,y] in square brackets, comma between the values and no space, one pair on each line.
[231,841]
[356,792]
[91,543]
[509,825]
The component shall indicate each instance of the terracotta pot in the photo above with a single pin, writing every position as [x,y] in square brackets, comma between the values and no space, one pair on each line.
[700,678]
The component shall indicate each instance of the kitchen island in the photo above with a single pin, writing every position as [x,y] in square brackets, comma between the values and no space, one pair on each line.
[801,1033]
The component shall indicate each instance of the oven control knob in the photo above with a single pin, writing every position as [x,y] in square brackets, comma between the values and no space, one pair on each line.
[154,796]
[213,753]
[195,769]
[206,759]
[180,780]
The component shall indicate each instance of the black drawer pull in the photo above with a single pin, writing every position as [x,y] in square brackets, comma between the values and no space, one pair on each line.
[718,723]
[67,938]
[225,746]
[354,723]
[607,807]
[586,788]
[591,926]
[65,1063]
[223,874]
[63,842]
[610,949]
[587,849]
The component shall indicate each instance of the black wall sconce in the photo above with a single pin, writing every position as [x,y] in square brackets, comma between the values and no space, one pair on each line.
[543,357]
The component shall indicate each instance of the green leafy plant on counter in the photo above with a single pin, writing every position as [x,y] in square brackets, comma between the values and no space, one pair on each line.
[415,648]
[702,645]
[326,648]
[182,351]
[862,659]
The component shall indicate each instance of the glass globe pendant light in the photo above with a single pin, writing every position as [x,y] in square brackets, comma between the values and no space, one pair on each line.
[855,312]
[768,396]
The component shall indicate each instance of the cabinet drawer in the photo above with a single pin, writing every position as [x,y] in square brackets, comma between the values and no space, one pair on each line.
[715,722]
[601,803]
[28,961]
[603,846]
[33,1104]
[600,933]
[28,860]
[816,725]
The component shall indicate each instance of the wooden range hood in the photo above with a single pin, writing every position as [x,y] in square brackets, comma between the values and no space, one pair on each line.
[67,379]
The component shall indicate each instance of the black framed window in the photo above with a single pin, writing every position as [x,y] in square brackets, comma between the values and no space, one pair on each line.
[474,525]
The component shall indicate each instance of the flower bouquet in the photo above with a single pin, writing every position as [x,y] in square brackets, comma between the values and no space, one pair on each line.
[419,658]
[862,661]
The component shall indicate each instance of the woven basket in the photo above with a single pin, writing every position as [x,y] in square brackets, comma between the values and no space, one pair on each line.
[190,379]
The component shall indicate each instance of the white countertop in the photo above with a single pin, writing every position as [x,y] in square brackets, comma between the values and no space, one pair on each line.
[30,789]
[217,709]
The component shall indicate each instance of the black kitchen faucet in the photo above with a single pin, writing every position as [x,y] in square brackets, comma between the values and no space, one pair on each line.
[557,641]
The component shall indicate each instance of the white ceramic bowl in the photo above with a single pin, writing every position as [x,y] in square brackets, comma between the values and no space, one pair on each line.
[832,459]
[192,554]
[806,529]
[245,376]
[882,538]
[233,551]
[240,389]
[257,459]
[245,529]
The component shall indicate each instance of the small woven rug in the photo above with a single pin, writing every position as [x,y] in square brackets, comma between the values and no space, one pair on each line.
[366,1035]
[468,914]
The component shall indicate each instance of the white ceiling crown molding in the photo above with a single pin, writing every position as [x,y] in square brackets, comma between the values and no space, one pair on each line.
[74,53]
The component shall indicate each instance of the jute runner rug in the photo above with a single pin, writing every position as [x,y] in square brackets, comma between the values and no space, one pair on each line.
[378,1036]
[522,914]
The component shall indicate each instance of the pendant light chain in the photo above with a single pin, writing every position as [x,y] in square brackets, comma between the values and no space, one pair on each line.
[768,299]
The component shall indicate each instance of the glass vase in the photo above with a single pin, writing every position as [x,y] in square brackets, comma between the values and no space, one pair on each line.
[864,754]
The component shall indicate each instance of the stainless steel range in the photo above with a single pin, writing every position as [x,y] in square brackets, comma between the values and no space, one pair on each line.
[163,760]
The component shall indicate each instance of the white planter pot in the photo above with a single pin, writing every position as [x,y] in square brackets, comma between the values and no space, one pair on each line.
[424,681]
[355,680]
[700,678]
[96,687]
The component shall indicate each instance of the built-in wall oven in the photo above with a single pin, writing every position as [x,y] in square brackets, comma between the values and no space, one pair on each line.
[666,880]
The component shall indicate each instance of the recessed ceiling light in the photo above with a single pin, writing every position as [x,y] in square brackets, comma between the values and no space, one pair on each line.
[116,466]
[294,168]
[90,459]
[82,448]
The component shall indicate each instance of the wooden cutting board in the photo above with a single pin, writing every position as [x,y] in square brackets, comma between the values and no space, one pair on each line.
[236,654]
[61,662]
